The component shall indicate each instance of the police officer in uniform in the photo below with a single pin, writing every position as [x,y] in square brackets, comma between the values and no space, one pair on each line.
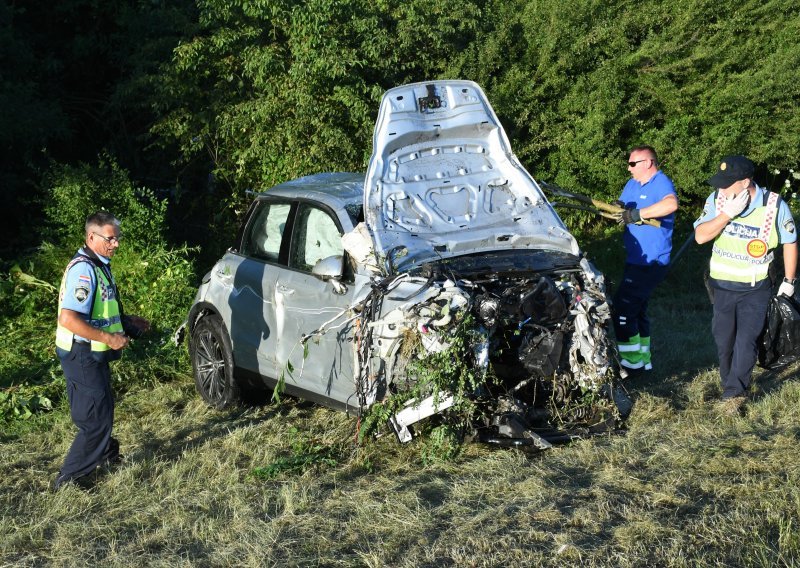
[649,194]
[746,223]
[92,331]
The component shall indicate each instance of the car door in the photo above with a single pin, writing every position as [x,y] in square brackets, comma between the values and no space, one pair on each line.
[252,306]
[305,301]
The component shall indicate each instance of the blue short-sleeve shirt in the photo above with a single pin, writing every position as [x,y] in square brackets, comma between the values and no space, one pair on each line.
[645,244]
[79,288]
[785,222]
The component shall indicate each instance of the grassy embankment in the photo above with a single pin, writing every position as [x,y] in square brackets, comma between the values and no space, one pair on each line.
[686,486]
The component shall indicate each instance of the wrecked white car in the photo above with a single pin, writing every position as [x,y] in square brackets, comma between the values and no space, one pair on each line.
[441,284]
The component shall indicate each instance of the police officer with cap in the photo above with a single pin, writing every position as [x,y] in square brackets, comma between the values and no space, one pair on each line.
[746,223]
[92,331]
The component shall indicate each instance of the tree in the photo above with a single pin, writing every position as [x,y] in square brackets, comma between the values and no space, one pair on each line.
[76,80]
[275,89]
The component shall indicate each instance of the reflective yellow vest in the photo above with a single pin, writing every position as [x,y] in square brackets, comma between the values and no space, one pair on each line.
[742,251]
[105,313]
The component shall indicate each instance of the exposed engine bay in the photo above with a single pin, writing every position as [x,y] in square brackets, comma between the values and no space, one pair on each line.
[534,343]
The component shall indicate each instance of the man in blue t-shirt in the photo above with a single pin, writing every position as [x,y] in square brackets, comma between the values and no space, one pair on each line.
[649,194]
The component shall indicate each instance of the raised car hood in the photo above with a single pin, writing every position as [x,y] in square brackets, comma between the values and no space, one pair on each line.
[443,181]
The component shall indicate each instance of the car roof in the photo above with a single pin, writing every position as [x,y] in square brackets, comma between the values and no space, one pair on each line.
[332,189]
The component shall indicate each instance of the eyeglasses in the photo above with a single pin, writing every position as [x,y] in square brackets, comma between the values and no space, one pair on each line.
[633,164]
[109,240]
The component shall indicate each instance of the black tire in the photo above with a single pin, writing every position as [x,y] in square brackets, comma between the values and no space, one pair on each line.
[212,363]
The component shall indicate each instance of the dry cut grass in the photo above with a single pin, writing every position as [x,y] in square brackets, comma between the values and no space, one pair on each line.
[686,486]
[288,486]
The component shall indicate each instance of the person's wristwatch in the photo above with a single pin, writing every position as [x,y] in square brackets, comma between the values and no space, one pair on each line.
[791,281]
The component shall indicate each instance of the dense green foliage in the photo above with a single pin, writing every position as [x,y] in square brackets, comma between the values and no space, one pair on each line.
[77,191]
[155,281]
[77,78]
[275,89]
[206,99]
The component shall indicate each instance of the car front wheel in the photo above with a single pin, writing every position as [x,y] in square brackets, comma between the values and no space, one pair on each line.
[212,362]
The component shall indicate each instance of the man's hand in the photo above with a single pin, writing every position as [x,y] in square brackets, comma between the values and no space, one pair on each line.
[786,288]
[630,216]
[734,206]
[117,340]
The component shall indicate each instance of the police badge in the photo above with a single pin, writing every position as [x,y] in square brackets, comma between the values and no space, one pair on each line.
[81,293]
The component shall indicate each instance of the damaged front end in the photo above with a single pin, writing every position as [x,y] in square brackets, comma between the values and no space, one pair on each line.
[487,314]
[509,357]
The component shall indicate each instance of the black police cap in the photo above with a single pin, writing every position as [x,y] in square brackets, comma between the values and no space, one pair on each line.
[732,169]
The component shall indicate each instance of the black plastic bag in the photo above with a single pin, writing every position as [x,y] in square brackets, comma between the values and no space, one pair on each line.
[779,343]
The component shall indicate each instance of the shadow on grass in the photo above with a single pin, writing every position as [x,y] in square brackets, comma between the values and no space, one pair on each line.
[35,373]
[771,380]
[219,425]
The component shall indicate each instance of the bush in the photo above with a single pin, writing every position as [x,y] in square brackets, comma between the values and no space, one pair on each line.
[74,192]
[578,83]
[155,281]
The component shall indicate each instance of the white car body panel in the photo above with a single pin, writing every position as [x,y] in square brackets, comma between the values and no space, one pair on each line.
[442,180]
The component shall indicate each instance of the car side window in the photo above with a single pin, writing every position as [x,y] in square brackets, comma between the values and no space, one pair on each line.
[316,236]
[265,233]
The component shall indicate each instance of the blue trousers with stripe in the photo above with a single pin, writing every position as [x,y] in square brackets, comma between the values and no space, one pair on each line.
[631,298]
[91,405]
[738,321]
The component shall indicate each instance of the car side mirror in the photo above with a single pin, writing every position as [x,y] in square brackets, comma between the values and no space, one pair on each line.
[331,269]
[328,268]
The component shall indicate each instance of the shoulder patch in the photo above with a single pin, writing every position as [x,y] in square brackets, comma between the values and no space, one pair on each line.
[789,226]
[81,293]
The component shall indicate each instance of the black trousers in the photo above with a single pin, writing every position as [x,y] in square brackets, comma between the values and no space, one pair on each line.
[91,405]
[630,301]
[738,321]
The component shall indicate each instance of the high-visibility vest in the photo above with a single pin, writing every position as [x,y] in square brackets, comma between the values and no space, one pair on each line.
[742,251]
[105,313]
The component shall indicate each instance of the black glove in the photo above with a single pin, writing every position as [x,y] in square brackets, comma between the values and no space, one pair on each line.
[631,216]
[131,329]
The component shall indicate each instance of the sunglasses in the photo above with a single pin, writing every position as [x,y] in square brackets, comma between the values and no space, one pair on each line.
[633,164]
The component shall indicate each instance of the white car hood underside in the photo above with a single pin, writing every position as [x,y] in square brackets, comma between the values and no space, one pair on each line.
[443,181]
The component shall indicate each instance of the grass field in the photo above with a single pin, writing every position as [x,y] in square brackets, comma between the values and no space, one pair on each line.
[287,485]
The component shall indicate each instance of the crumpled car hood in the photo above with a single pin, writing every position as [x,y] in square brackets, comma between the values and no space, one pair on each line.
[442,181]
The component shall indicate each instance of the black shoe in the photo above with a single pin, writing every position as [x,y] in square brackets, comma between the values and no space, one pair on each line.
[85,482]
[111,463]
[111,455]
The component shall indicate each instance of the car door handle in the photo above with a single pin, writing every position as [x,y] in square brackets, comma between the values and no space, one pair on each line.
[284,290]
